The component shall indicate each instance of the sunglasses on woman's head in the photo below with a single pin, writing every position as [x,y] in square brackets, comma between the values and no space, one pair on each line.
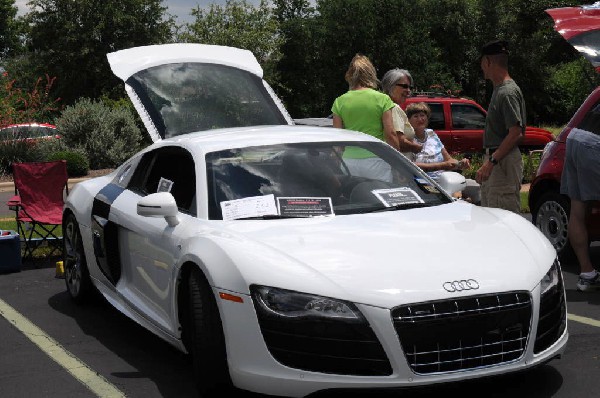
[408,86]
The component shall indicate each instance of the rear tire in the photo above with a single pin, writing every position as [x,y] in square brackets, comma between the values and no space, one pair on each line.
[551,216]
[207,341]
[77,275]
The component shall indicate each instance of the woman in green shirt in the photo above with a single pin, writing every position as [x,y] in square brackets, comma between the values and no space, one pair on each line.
[367,110]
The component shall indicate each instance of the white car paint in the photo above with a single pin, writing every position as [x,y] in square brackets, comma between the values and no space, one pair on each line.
[377,261]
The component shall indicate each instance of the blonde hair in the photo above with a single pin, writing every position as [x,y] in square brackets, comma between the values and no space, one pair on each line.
[361,72]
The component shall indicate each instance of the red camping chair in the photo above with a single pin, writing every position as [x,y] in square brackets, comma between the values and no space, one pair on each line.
[38,202]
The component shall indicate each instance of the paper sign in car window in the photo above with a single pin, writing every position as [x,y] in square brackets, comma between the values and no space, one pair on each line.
[426,185]
[397,196]
[304,206]
[254,206]
[164,185]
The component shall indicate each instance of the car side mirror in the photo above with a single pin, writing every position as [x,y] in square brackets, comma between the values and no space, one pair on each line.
[160,204]
[452,182]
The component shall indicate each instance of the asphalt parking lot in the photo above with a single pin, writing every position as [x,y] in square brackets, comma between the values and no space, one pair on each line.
[54,348]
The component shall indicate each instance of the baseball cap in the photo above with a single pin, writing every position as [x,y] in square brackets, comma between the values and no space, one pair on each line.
[495,47]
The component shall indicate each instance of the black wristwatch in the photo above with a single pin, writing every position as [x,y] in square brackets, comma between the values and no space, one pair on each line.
[493,160]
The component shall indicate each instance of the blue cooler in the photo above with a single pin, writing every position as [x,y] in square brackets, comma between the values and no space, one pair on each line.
[10,252]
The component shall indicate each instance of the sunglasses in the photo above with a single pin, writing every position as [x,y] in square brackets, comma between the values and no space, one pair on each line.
[407,86]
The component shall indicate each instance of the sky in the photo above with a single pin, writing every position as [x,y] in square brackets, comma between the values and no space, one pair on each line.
[179,8]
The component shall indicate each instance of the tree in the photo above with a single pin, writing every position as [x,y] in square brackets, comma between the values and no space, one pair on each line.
[9,28]
[25,105]
[70,39]
[237,24]
[297,64]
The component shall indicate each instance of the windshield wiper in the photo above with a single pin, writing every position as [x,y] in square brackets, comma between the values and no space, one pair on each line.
[399,207]
[267,217]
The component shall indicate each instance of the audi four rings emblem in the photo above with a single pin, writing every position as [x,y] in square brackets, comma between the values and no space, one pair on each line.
[459,286]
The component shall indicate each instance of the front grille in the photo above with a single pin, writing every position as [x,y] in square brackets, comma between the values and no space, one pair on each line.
[325,346]
[464,333]
[553,317]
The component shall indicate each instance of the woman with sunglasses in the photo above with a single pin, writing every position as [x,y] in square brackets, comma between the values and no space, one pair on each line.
[397,83]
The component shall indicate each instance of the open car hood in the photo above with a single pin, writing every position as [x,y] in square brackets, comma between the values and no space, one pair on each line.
[580,26]
[183,88]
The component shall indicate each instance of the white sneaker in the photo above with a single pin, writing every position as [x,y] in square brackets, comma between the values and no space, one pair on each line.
[586,285]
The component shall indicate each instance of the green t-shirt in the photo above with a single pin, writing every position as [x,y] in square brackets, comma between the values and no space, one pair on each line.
[507,109]
[361,110]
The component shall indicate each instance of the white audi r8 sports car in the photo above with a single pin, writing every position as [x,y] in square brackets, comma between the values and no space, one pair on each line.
[291,259]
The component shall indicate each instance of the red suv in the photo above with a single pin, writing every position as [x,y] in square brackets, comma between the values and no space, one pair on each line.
[550,209]
[459,123]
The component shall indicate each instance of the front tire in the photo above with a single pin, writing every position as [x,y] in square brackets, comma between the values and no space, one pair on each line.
[206,338]
[551,216]
[77,275]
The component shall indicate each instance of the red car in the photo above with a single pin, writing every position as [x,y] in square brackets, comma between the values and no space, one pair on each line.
[459,123]
[550,210]
[28,132]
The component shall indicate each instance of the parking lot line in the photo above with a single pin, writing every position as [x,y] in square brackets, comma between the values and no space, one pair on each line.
[95,382]
[582,319]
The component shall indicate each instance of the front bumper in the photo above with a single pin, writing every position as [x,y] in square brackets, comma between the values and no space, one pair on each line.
[253,368]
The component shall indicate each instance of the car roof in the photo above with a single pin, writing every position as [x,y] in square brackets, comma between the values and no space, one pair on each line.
[580,26]
[19,125]
[221,139]
[437,97]
[572,21]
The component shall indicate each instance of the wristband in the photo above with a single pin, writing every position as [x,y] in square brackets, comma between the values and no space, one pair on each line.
[493,160]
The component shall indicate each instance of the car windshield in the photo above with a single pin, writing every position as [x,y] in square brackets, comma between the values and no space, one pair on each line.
[314,179]
[182,98]
[588,44]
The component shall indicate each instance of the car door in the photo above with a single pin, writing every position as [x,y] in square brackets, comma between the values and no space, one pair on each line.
[468,122]
[148,246]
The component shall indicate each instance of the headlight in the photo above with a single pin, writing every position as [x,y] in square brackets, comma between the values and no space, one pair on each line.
[290,304]
[552,278]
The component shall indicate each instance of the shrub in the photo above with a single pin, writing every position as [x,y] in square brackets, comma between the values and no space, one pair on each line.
[77,163]
[530,165]
[106,135]
[17,151]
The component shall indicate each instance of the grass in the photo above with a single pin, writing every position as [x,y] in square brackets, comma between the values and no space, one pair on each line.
[555,130]
[524,203]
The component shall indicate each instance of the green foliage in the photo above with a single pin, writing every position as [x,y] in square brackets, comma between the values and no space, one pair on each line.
[573,82]
[70,40]
[304,46]
[107,136]
[17,151]
[237,24]
[77,163]
[531,162]
[530,166]
[9,28]
[20,105]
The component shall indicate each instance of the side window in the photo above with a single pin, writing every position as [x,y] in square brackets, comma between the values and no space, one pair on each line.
[591,120]
[174,164]
[466,116]
[436,120]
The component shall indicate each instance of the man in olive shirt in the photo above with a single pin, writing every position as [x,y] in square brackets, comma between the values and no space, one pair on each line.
[501,174]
